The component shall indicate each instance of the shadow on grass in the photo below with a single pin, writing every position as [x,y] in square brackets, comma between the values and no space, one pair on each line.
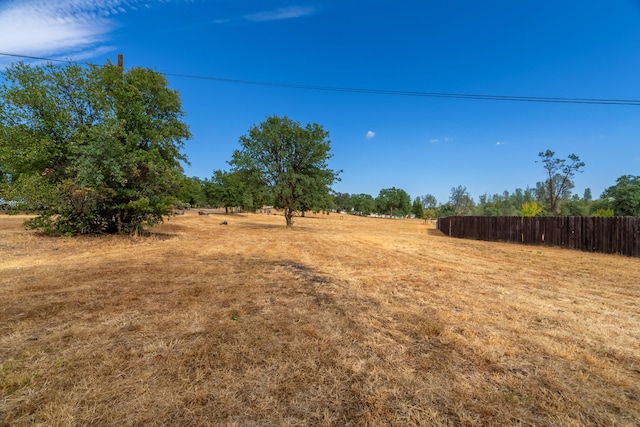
[435,232]
[263,226]
[160,235]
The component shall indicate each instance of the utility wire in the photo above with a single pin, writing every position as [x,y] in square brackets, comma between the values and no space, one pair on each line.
[513,98]
[15,55]
[418,93]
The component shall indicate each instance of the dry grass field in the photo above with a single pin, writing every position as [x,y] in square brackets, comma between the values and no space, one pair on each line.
[340,321]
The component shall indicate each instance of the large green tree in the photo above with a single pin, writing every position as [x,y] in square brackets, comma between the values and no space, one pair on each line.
[557,186]
[393,201]
[191,192]
[428,201]
[625,196]
[232,190]
[343,202]
[98,148]
[416,208]
[363,204]
[290,163]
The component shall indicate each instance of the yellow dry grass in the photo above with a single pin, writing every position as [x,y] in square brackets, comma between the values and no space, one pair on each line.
[341,321]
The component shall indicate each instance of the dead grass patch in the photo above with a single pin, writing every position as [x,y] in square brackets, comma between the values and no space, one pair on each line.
[339,321]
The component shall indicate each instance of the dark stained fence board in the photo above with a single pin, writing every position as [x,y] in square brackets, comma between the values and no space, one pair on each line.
[617,235]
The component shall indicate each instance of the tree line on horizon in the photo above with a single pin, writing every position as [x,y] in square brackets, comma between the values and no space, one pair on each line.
[99,149]
[551,197]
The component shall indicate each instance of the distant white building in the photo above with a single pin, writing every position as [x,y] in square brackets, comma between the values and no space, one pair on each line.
[8,203]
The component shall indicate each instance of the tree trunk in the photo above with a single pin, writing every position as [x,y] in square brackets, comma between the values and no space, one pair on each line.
[119,222]
[288,215]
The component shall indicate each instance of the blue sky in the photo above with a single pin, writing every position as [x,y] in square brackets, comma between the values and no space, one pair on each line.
[536,48]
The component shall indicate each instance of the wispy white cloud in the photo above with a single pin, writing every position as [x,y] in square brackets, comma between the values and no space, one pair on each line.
[370,134]
[438,140]
[73,29]
[499,143]
[281,13]
[87,53]
[41,27]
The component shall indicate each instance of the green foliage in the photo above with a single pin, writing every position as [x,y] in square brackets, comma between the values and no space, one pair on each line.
[460,201]
[601,205]
[357,204]
[233,190]
[445,210]
[603,212]
[428,201]
[343,202]
[33,192]
[97,148]
[393,201]
[429,213]
[625,196]
[228,190]
[424,206]
[191,192]
[495,205]
[363,204]
[531,209]
[575,206]
[288,164]
[417,209]
[505,204]
[559,179]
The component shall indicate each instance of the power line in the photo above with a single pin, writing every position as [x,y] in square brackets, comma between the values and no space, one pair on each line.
[15,55]
[483,97]
[419,93]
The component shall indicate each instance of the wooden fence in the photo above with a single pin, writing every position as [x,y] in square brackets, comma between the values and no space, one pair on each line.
[617,235]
